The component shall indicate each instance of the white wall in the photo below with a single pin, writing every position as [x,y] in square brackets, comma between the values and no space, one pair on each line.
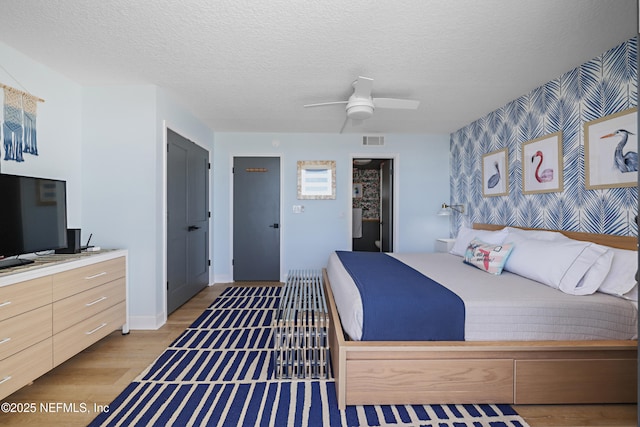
[119,191]
[59,124]
[124,194]
[422,174]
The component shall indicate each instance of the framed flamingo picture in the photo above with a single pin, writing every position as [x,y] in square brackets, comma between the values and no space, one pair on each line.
[495,173]
[611,151]
[542,165]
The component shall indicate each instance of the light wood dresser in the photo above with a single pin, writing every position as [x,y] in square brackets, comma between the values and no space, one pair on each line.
[55,308]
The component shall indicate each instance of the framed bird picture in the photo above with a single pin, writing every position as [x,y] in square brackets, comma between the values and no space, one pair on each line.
[542,165]
[611,150]
[495,173]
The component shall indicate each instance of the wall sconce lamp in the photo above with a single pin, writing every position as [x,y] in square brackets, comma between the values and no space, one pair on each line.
[448,210]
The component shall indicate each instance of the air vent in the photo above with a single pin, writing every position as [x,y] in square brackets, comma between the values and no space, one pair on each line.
[373,140]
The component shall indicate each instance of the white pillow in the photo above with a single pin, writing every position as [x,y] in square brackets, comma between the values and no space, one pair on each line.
[466,235]
[536,234]
[595,275]
[622,276]
[571,266]
[632,294]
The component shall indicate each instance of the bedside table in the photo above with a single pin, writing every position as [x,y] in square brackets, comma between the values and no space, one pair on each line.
[444,245]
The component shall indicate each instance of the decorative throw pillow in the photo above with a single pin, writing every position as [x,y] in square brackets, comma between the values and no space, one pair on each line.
[487,257]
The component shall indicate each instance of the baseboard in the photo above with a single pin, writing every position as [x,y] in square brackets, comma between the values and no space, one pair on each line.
[146,322]
[222,278]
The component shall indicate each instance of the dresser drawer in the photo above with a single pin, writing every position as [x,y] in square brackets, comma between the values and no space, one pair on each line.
[24,296]
[78,307]
[23,367]
[80,279]
[81,335]
[24,330]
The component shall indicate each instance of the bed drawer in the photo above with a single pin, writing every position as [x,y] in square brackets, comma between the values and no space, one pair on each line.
[24,330]
[433,381]
[81,335]
[24,296]
[23,367]
[76,308]
[80,279]
[576,381]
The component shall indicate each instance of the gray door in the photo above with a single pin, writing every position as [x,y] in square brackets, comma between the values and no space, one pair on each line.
[256,218]
[187,220]
[386,205]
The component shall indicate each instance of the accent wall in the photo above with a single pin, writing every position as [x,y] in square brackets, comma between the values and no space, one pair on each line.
[603,86]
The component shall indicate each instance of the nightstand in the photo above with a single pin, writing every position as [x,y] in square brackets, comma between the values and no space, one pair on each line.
[444,245]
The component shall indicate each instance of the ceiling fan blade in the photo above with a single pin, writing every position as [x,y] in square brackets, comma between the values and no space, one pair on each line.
[354,123]
[362,87]
[326,103]
[404,104]
[344,125]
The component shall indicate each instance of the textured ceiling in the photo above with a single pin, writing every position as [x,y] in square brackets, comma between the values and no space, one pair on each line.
[251,65]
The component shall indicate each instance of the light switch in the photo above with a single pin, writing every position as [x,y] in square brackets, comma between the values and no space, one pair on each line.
[298,209]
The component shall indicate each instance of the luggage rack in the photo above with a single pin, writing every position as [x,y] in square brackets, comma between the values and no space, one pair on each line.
[301,324]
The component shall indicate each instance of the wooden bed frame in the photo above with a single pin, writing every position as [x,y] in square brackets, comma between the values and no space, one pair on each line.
[515,372]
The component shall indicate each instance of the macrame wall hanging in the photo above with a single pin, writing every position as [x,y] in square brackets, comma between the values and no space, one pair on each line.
[19,126]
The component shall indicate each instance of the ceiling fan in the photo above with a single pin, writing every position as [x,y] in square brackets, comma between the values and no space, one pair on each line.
[361,104]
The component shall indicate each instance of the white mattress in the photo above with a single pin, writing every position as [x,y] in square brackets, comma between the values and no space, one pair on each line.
[507,307]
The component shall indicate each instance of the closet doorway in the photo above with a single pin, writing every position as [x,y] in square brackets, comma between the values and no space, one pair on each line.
[187,219]
[372,204]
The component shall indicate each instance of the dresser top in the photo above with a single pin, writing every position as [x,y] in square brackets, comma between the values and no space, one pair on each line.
[45,265]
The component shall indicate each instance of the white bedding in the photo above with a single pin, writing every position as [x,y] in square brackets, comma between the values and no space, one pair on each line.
[507,307]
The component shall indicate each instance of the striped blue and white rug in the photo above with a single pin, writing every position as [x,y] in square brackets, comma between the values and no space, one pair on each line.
[219,372]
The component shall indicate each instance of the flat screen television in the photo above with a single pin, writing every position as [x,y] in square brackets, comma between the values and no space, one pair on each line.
[33,217]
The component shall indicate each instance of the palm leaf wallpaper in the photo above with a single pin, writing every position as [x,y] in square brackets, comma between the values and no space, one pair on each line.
[598,88]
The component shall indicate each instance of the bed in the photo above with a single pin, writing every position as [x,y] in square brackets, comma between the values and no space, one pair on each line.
[487,367]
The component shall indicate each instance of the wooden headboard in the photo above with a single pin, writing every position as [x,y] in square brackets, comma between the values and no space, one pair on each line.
[622,242]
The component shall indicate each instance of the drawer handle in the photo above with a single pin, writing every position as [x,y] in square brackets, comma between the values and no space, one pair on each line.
[5,340]
[5,379]
[89,304]
[5,303]
[96,329]
[95,275]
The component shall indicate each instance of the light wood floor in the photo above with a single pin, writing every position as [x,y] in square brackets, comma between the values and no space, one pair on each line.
[93,378]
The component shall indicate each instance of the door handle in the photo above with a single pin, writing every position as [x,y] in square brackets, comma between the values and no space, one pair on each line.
[192,228]
[276,225]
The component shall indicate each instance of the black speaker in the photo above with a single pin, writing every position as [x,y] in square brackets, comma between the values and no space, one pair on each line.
[73,242]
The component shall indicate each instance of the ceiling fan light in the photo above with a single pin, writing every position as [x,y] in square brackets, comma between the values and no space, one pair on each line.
[359,112]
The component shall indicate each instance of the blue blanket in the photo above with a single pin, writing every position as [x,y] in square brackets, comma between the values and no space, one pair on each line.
[400,303]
